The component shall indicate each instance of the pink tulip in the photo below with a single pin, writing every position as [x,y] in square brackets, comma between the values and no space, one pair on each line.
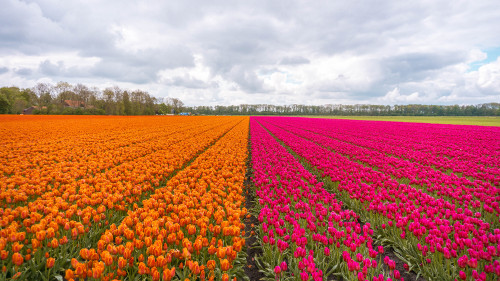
[283,266]
[397,275]
[277,270]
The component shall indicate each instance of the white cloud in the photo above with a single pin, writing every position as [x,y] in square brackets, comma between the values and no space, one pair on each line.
[476,55]
[395,96]
[489,76]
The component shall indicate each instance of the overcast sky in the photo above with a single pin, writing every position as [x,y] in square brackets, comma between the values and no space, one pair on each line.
[277,52]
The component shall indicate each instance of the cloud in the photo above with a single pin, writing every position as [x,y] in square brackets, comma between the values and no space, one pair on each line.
[489,77]
[143,66]
[294,60]
[24,71]
[395,96]
[189,82]
[246,79]
[51,69]
[259,51]
[3,70]
[414,66]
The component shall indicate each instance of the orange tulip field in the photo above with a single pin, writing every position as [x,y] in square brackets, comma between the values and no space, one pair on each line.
[104,198]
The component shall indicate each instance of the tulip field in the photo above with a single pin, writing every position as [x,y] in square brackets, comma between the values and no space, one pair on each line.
[106,198]
[430,192]
[165,198]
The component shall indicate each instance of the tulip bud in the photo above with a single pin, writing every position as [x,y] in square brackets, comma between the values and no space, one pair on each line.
[277,270]
[327,251]
[283,266]
[397,275]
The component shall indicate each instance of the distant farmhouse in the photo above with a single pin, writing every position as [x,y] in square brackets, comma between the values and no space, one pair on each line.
[29,110]
[66,104]
[74,103]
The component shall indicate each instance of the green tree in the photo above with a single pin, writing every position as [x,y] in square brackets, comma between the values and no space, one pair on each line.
[126,104]
[4,104]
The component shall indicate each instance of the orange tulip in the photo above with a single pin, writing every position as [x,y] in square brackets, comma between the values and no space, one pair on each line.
[84,253]
[221,253]
[168,274]
[142,268]
[186,254]
[211,265]
[151,261]
[155,274]
[69,274]
[50,262]
[54,243]
[122,262]
[17,259]
[224,265]
[16,247]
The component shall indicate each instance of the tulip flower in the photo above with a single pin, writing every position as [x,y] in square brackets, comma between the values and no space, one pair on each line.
[50,262]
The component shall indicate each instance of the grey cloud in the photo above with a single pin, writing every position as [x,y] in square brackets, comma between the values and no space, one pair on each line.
[13,26]
[238,40]
[294,60]
[24,71]
[247,80]
[121,72]
[414,67]
[238,47]
[190,82]
[23,27]
[3,70]
[166,57]
[417,62]
[143,66]
[48,68]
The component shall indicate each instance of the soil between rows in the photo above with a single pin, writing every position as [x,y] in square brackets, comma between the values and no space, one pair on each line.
[251,223]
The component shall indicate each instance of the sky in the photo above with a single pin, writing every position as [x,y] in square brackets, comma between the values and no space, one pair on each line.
[255,52]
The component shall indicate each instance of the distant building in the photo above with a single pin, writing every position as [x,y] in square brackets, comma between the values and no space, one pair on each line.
[29,110]
[73,103]
[185,113]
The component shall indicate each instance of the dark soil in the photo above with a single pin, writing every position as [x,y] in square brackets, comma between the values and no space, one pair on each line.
[251,268]
[408,276]
[251,224]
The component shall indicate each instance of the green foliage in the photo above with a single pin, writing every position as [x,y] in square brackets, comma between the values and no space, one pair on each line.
[79,99]
[4,104]
[487,109]
[164,109]
[127,106]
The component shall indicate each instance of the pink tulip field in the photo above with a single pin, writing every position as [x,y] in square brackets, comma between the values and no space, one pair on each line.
[332,194]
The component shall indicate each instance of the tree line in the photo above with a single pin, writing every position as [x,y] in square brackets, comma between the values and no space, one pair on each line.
[486,109]
[64,98]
